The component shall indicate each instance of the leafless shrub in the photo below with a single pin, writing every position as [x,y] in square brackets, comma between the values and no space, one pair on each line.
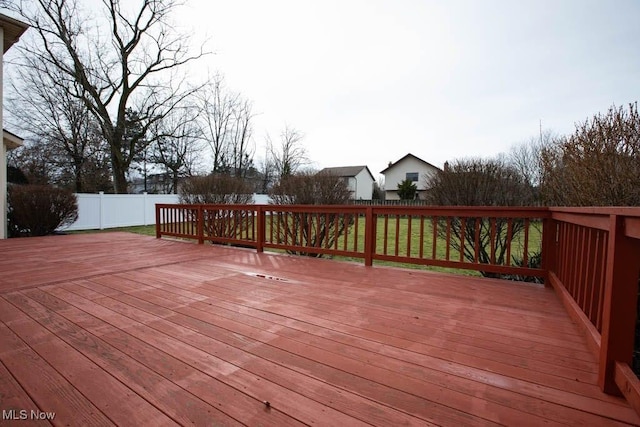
[599,165]
[479,182]
[38,210]
[219,189]
[215,189]
[308,229]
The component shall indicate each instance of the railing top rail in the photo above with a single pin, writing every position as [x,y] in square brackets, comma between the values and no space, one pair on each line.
[467,211]
[205,205]
[272,208]
[538,212]
[597,210]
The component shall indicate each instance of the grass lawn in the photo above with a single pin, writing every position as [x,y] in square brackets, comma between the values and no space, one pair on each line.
[146,230]
[405,246]
[400,226]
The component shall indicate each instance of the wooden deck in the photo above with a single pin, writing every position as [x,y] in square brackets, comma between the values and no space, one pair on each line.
[122,329]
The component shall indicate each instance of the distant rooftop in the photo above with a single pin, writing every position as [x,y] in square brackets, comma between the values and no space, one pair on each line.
[346,171]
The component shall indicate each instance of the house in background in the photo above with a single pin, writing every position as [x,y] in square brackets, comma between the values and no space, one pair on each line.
[358,178]
[10,32]
[409,167]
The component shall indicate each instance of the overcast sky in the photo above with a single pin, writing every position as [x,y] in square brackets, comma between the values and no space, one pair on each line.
[369,81]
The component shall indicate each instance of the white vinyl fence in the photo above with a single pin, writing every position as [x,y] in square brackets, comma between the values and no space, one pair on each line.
[100,211]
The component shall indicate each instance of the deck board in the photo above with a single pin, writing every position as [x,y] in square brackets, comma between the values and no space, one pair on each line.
[119,328]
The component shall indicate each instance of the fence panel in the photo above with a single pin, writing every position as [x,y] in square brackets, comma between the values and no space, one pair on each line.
[100,211]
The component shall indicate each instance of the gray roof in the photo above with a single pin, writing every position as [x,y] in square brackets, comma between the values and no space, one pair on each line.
[346,171]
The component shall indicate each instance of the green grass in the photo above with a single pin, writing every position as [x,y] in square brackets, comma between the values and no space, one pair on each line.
[146,230]
[402,227]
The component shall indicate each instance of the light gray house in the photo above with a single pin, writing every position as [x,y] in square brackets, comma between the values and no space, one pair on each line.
[409,167]
[10,31]
[358,178]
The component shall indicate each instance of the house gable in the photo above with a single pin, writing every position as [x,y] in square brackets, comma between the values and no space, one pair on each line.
[408,167]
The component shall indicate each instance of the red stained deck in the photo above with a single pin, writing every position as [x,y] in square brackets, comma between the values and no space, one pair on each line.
[123,329]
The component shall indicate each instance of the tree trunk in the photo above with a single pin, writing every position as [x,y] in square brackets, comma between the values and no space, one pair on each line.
[174,190]
[78,172]
[120,184]
[78,182]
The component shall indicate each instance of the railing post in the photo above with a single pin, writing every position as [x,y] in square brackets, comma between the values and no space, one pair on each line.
[369,236]
[620,296]
[200,225]
[549,247]
[261,229]
[158,235]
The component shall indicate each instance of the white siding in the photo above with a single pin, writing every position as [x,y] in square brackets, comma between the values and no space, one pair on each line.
[364,190]
[398,173]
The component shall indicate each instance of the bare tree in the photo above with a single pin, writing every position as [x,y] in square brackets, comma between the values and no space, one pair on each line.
[177,146]
[50,115]
[216,106]
[241,147]
[598,165]
[266,171]
[225,122]
[526,157]
[127,57]
[290,155]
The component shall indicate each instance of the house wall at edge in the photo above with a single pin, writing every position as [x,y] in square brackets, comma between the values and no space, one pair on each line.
[365,185]
[3,152]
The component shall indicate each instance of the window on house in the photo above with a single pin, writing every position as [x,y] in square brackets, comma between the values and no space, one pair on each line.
[412,176]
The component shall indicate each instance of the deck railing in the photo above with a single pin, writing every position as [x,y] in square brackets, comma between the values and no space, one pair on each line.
[591,256]
[498,241]
[594,266]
